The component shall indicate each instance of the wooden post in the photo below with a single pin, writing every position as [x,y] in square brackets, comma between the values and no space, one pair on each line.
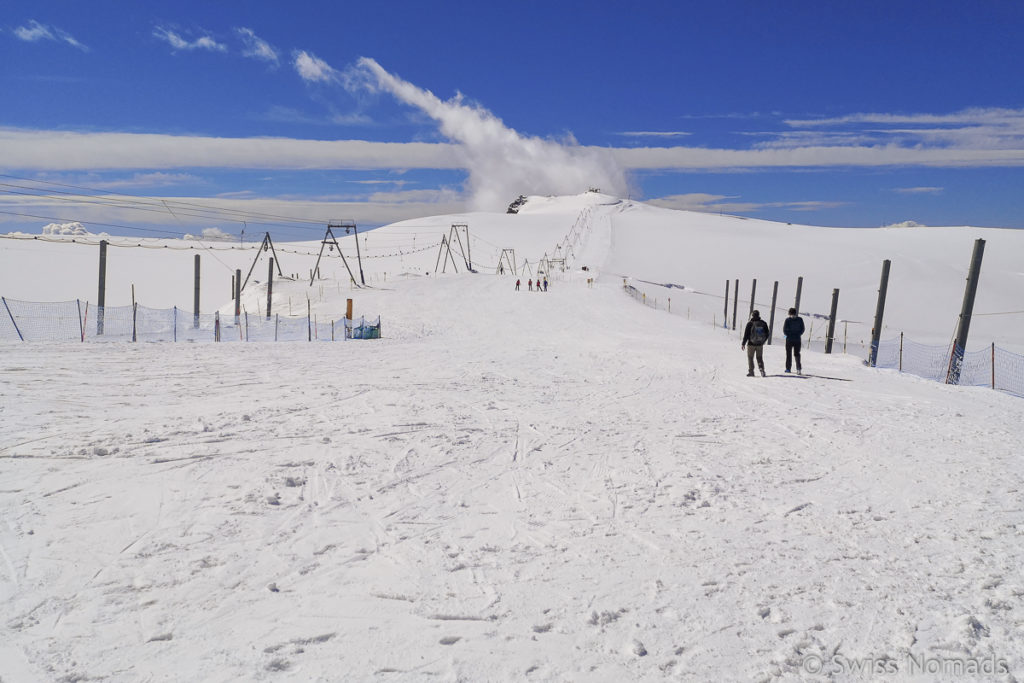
[753,293]
[993,365]
[238,294]
[964,324]
[270,286]
[832,322]
[135,310]
[901,352]
[735,302]
[101,298]
[14,322]
[348,309]
[771,322]
[195,298]
[216,326]
[725,314]
[799,288]
[876,331]
[309,321]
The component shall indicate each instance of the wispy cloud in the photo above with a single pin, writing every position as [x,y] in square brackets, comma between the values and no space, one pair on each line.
[63,150]
[918,190]
[256,47]
[373,209]
[36,31]
[714,203]
[204,42]
[144,180]
[654,133]
[973,128]
[312,69]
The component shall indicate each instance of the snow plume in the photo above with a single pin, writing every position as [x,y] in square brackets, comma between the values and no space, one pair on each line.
[502,163]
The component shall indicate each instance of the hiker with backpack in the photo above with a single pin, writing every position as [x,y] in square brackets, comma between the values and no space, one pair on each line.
[754,337]
[792,329]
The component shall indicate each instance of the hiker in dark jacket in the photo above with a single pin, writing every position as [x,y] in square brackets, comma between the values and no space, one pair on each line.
[754,336]
[792,329]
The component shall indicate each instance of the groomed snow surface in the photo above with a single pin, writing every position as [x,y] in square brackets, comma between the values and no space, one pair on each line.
[510,486]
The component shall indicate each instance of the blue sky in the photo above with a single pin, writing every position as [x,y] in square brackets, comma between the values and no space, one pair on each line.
[201,115]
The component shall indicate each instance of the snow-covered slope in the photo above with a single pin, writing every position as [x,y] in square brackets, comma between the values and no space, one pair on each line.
[608,235]
[510,485]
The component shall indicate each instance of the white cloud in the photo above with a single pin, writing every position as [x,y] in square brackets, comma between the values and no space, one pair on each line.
[714,203]
[62,150]
[501,162]
[974,128]
[918,190]
[178,43]
[653,133]
[212,235]
[375,209]
[312,69]
[256,47]
[35,32]
[72,228]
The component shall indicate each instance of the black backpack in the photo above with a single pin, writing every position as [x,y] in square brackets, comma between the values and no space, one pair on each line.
[758,332]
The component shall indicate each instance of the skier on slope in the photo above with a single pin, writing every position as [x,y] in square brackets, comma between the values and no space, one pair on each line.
[793,328]
[754,336]
[517,285]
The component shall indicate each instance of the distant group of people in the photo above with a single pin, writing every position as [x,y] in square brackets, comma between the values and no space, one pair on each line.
[529,284]
[756,334]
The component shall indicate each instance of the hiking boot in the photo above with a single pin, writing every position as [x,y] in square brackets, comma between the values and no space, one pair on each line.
[762,373]
[750,374]
[787,371]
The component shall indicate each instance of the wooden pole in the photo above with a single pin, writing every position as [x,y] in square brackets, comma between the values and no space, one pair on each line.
[876,330]
[348,309]
[753,293]
[901,352]
[725,314]
[993,365]
[101,298]
[238,294]
[195,298]
[14,322]
[964,324]
[771,322]
[735,303]
[799,288]
[270,286]
[832,321]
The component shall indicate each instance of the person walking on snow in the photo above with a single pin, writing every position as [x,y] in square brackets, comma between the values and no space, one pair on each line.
[792,329]
[754,336]
[545,284]
[529,284]
[517,285]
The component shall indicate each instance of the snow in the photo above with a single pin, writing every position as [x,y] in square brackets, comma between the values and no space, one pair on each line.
[511,485]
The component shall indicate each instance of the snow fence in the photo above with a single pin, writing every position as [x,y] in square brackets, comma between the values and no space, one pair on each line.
[78,321]
[993,367]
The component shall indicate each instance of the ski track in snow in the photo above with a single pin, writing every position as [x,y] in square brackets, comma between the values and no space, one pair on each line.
[536,493]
